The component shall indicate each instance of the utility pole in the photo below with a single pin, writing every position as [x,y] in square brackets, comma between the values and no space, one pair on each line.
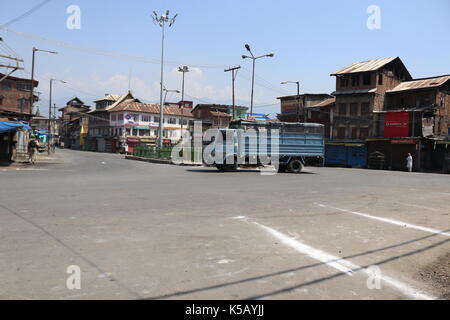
[50,113]
[183,69]
[233,78]
[247,47]
[161,21]
[32,74]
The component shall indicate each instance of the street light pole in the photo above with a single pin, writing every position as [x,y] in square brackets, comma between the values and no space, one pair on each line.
[183,69]
[49,135]
[32,74]
[253,71]
[164,102]
[298,97]
[161,21]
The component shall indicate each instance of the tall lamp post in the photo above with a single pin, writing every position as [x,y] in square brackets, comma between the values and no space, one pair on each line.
[161,21]
[164,102]
[298,96]
[50,114]
[183,69]
[253,72]
[32,74]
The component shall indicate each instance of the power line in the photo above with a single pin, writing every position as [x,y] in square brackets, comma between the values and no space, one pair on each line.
[27,13]
[96,51]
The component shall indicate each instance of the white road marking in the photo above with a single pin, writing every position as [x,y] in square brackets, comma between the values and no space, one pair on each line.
[418,206]
[391,221]
[342,265]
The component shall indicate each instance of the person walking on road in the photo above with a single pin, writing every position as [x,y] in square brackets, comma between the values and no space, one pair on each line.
[33,147]
[409,162]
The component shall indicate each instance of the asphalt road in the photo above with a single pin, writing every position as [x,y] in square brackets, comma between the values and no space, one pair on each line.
[151,231]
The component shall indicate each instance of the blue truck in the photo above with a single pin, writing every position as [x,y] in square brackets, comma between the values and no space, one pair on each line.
[287,146]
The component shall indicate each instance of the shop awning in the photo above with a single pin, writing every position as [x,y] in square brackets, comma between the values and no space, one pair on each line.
[6,126]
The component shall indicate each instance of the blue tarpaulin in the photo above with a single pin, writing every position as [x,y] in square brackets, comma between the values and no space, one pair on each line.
[6,126]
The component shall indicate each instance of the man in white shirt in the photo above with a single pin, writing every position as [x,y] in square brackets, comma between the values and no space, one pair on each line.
[409,162]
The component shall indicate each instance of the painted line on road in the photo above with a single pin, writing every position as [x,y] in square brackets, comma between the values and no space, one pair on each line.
[418,206]
[342,265]
[387,220]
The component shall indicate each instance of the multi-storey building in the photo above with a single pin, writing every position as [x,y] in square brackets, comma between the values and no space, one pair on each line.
[119,123]
[360,91]
[74,124]
[294,108]
[15,114]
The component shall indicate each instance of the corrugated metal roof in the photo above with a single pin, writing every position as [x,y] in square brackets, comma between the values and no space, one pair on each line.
[364,66]
[421,84]
[336,93]
[324,103]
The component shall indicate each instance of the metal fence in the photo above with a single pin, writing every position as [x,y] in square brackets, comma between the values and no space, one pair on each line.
[188,155]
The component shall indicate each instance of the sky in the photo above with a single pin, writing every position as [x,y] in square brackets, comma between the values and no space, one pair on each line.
[118,47]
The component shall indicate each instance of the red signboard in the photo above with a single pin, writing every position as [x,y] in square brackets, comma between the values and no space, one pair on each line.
[396,124]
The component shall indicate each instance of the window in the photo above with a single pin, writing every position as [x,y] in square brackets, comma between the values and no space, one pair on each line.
[365,108]
[24,86]
[353,109]
[6,85]
[380,79]
[344,82]
[354,133]
[342,109]
[341,133]
[355,81]
[363,133]
[113,117]
[22,104]
[120,117]
[367,79]
[172,121]
[146,118]
[156,119]
[2,97]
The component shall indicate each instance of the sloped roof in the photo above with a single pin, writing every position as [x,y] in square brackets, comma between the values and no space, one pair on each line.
[220,114]
[109,97]
[364,66]
[324,103]
[424,83]
[132,105]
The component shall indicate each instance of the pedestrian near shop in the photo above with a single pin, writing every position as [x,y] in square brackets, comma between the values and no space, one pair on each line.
[409,162]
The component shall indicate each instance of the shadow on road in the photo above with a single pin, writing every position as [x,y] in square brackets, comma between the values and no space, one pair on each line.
[291,288]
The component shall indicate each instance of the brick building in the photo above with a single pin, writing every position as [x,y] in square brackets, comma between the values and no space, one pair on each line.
[74,124]
[15,114]
[360,91]
[217,115]
[293,107]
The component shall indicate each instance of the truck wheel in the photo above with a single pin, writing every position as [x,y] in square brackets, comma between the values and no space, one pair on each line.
[230,167]
[295,166]
[220,167]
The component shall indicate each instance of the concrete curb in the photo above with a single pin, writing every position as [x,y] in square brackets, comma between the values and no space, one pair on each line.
[160,161]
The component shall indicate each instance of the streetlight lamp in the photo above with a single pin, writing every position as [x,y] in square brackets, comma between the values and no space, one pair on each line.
[32,74]
[161,21]
[164,103]
[50,113]
[253,73]
[183,69]
[298,96]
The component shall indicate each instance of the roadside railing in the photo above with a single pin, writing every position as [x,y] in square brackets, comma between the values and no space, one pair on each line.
[188,155]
